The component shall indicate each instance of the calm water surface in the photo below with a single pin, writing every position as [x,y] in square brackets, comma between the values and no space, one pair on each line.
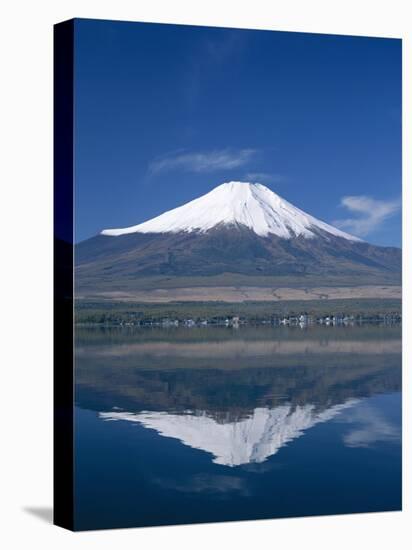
[217,424]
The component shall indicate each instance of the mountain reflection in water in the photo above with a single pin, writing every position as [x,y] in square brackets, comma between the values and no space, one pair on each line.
[252,439]
[208,424]
[239,396]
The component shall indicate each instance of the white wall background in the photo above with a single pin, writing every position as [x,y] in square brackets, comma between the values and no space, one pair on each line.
[26,269]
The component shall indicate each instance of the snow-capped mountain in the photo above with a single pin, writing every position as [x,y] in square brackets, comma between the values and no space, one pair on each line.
[249,440]
[251,205]
[240,234]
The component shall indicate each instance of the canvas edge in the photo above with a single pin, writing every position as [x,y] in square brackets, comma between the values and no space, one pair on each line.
[63,172]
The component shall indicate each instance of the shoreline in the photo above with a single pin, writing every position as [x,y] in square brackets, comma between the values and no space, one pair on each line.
[235,323]
[288,312]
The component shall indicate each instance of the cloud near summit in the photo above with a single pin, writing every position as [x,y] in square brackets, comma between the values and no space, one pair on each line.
[369,214]
[202,161]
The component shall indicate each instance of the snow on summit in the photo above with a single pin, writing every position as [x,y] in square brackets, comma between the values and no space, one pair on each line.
[236,203]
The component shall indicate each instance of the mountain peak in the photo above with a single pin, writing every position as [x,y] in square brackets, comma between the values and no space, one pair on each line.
[236,203]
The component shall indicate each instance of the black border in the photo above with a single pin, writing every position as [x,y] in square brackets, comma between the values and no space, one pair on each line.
[63,275]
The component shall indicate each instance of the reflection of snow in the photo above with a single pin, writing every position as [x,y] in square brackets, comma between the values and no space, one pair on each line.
[372,428]
[252,439]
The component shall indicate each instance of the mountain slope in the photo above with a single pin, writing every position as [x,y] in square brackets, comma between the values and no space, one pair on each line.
[249,205]
[238,234]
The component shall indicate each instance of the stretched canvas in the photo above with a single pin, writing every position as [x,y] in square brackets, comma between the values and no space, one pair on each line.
[227,274]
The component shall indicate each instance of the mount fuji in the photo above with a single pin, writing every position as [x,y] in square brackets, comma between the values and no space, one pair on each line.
[240,234]
[249,205]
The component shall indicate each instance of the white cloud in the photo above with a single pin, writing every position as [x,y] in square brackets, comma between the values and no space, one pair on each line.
[211,161]
[370,214]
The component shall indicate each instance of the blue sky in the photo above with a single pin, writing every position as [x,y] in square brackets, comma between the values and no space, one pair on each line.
[164,113]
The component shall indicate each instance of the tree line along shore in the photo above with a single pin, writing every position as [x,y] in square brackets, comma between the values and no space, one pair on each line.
[221,313]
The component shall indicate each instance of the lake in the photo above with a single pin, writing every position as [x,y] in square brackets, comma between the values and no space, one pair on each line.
[189,425]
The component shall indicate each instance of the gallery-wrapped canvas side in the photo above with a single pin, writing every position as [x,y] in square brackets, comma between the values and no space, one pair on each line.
[63,275]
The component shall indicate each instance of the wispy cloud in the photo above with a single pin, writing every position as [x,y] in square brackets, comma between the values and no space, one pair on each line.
[370,214]
[201,161]
[205,61]
[264,177]
[224,46]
